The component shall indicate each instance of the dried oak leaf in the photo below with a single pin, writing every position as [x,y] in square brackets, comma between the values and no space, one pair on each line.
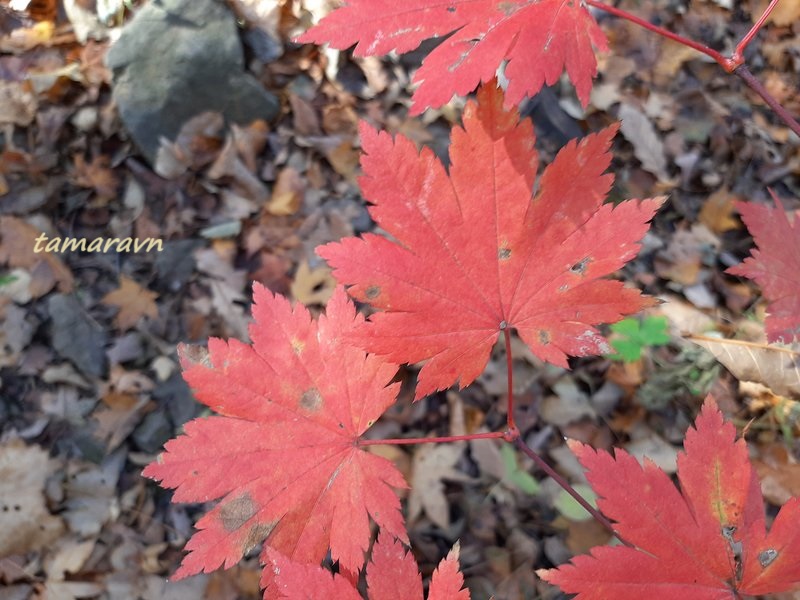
[775,266]
[539,40]
[392,575]
[477,251]
[283,454]
[707,541]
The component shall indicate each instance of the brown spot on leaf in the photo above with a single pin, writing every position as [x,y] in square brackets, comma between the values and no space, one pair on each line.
[297,345]
[503,253]
[311,400]
[257,534]
[767,557]
[372,292]
[508,8]
[196,355]
[237,512]
[544,337]
[579,268]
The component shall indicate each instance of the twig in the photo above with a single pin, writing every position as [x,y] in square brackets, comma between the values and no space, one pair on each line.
[623,14]
[745,75]
[510,369]
[739,51]
[434,440]
[732,64]
[570,490]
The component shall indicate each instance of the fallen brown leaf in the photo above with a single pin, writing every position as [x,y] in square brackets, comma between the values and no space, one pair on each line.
[134,302]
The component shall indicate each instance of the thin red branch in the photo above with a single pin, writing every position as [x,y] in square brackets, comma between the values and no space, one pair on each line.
[745,75]
[434,440]
[510,369]
[570,490]
[733,64]
[738,52]
[725,62]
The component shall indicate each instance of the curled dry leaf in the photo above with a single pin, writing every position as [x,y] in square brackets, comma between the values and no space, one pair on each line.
[776,367]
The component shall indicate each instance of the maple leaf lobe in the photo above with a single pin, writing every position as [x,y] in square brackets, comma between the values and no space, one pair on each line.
[774,265]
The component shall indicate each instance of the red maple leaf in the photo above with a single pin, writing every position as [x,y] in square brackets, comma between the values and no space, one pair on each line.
[705,542]
[283,456]
[393,575]
[775,266]
[477,251]
[538,38]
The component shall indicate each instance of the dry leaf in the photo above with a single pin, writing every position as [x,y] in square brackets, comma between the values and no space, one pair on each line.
[431,464]
[134,302]
[776,367]
[716,212]
[17,243]
[118,418]
[18,104]
[344,160]
[24,519]
[312,286]
[647,145]
[786,13]
[95,175]
[287,194]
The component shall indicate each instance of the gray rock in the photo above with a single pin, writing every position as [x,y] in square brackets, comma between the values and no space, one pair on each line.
[176,59]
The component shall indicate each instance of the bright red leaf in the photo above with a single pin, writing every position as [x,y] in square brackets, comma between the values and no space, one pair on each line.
[477,251]
[704,542]
[283,455]
[775,266]
[392,575]
[539,39]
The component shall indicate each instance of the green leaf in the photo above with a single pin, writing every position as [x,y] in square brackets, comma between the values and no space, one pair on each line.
[568,507]
[6,279]
[654,331]
[521,479]
[636,335]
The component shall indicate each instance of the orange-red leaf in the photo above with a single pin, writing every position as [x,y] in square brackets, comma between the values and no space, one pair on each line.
[283,455]
[705,542]
[392,575]
[477,251]
[539,38]
[775,266]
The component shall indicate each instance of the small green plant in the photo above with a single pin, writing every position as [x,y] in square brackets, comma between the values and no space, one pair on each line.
[636,335]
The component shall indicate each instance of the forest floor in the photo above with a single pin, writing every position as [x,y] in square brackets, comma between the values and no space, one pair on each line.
[90,386]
